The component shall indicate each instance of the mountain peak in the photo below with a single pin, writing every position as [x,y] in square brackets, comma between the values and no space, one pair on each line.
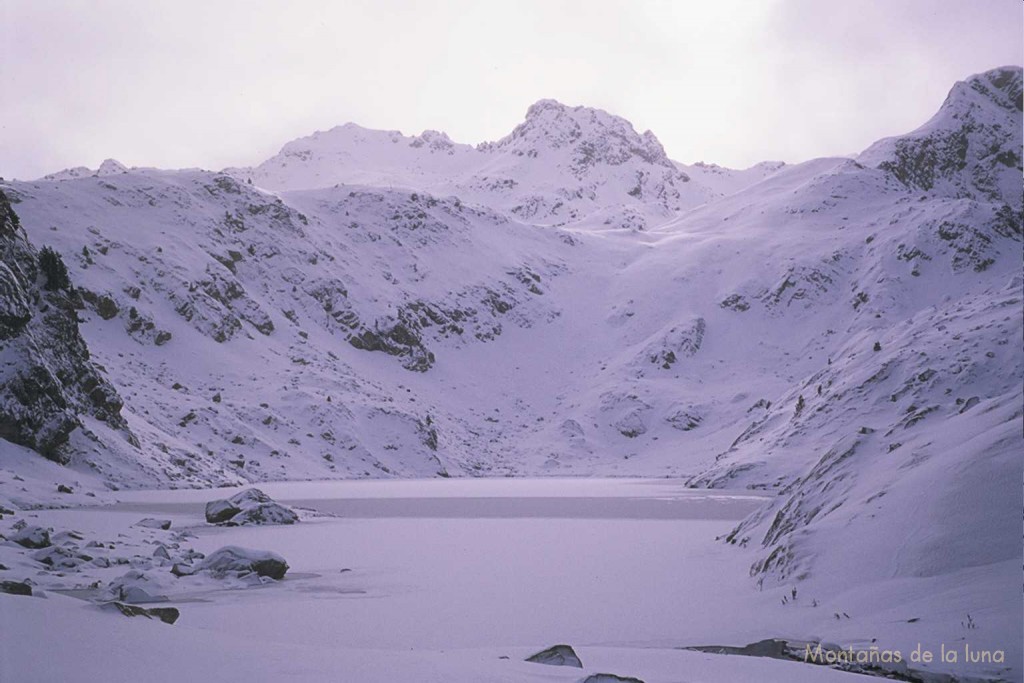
[593,135]
[540,107]
[111,167]
[1002,85]
[970,148]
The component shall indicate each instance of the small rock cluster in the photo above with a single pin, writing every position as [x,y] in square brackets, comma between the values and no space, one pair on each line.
[147,563]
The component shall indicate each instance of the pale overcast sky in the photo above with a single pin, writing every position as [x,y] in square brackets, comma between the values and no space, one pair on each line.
[214,83]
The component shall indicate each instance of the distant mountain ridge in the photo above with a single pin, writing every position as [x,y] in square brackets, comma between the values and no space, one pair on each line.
[561,165]
[619,303]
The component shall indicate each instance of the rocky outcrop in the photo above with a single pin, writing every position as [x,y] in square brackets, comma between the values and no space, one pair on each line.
[971,148]
[593,135]
[47,381]
[681,341]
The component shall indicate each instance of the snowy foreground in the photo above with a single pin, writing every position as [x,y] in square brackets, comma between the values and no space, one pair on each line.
[462,580]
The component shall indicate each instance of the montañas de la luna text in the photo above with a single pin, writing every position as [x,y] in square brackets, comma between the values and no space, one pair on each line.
[876,655]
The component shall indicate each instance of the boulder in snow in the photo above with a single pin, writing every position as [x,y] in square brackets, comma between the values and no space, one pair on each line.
[557,655]
[251,506]
[233,559]
[218,511]
[61,557]
[183,569]
[15,588]
[32,537]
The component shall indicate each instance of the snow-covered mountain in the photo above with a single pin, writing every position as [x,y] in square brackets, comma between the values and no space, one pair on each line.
[562,165]
[567,300]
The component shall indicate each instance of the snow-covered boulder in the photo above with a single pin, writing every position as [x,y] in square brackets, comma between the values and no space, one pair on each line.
[233,559]
[32,537]
[218,511]
[251,506]
[136,586]
[61,557]
[557,655]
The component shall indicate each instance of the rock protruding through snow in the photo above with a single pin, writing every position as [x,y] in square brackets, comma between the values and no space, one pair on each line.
[168,615]
[235,560]
[557,655]
[33,537]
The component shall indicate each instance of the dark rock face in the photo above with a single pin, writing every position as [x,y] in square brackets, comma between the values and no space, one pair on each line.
[15,588]
[219,511]
[396,339]
[557,655]
[610,678]
[47,380]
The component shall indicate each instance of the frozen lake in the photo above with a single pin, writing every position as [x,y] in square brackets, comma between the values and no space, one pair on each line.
[470,563]
[637,499]
[445,580]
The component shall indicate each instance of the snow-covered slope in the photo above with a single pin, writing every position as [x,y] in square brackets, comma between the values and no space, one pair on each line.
[256,338]
[901,431]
